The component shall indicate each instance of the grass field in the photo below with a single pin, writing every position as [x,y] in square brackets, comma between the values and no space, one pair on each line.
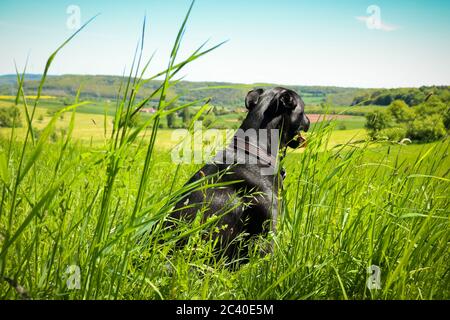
[81,213]
[346,209]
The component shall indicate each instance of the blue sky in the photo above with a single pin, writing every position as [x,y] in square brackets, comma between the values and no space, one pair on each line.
[284,41]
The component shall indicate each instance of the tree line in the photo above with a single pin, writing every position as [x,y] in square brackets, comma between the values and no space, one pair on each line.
[424,122]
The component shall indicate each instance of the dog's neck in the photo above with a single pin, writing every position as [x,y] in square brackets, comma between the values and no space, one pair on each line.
[254,147]
[267,139]
[268,134]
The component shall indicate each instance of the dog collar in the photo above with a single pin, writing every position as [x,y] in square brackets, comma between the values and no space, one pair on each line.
[242,151]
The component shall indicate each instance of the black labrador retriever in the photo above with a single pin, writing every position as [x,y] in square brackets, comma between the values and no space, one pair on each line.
[247,204]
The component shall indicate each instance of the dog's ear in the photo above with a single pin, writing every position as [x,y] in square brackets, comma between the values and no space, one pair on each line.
[252,98]
[287,100]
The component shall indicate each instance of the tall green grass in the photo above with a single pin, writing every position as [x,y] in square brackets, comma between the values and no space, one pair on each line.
[99,208]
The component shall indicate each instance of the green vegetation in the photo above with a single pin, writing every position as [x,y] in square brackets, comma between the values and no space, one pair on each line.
[104,88]
[377,121]
[346,208]
[427,121]
[412,96]
[10,117]
[99,207]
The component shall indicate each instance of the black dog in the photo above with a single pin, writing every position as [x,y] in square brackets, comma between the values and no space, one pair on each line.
[248,202]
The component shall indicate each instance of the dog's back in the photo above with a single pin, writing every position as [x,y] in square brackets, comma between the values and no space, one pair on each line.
[239,200]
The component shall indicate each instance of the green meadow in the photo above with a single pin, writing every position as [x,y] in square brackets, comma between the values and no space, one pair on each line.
[349,204]
[83,195]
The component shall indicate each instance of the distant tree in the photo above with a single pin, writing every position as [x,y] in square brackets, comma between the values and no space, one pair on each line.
[400,111]
[171,117]
[412,96]
[361,99]
[430,128]
[432,106]
[376,121]
[383,100]
[446,118]
[429,121]
[10,117]
[185,116]
[444,95]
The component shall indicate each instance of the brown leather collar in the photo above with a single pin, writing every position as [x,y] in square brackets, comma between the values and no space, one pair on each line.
[258,153]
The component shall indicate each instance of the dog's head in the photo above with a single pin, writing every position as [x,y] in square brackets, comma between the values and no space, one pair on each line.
[278,108]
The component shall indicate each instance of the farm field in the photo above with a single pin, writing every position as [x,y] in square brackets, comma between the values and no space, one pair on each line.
[90,123]
[90,127]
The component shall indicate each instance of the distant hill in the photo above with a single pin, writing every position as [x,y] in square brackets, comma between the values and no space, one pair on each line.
[12,78]
[101,87]
[412,96]
[223,93]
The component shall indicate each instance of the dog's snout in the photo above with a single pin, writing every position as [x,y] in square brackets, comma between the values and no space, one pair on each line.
[304,125]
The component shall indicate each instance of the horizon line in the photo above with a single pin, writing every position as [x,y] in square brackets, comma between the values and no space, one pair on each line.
[229,82]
